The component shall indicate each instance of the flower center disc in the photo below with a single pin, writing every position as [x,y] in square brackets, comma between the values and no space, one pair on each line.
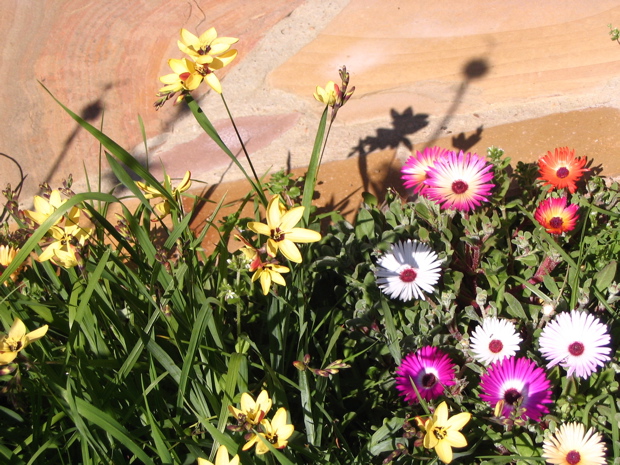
[562,172]
[408,275]
[459,187]
[496,346]
[556,222]
[277,235]
[429,380]
[511,396]
[573,457]
[576,348]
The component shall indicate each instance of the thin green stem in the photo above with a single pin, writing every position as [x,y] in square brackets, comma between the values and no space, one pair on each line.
[247,155]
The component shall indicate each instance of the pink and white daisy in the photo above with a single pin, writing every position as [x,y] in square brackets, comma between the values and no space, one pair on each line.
[429,369]
[411,268]
[459,181]
[415,168]
[577,341]
[520,384]
[494,340]
[572,445]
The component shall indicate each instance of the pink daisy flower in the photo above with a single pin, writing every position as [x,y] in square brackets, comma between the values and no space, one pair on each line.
[519,383]
[577,341]
[415,168]
[430,369]
[459,181]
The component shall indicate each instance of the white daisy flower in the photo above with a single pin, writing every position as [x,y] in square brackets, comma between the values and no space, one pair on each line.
[494,340]
[576,341]
[410,268]
[572,445]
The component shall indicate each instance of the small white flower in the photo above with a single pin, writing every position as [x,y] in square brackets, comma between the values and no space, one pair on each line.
[577,341]
[494,340]
[572,444]
[410,268]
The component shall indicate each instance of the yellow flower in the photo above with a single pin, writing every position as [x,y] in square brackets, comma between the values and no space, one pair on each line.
[329,95]
[17,339]
[7,254]
[275,432]
[281,231]
[62,251]
[252,412]
[202,49]
[221,458]
[44,208]
[163,208]
[186,76]
[268,272]
[442,434]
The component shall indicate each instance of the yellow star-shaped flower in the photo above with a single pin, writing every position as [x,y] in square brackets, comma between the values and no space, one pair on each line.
[268,272]
[281,231]
[17,339]
[204,48]
[276,432]
[221,458]
[252,411]
[329,95]
[442,434]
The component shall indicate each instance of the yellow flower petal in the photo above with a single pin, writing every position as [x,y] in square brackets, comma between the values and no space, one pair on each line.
[458,421]
[259,228]
[290,250]
[444,451]
[290,219]
[214,82]
[303,235]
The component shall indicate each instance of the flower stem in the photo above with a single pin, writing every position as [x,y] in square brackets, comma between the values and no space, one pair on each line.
[232,120]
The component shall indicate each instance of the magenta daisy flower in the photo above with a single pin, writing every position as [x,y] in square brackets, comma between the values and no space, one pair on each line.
[459,181]
[577,341]
[415,168]
[519,383]
[411,268]
[430,369]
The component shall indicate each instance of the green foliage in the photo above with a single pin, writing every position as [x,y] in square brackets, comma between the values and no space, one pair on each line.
[152,340]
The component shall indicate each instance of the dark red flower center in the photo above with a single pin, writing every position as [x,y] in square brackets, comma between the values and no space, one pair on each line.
[556,222]
[429,380]
[562,172]
[458,187]
[576,348]
[277,234]
[511,396]
[408,275]
[573,457]
[496,346]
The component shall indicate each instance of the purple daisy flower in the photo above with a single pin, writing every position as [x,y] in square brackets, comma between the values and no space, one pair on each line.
[430,369]
[459,181]
[415,168]
[515,380]
[577,341]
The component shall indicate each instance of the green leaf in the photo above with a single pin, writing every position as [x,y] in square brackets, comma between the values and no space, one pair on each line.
[603,278]
[313,168]
[514,307]
[112,427]
[364,225]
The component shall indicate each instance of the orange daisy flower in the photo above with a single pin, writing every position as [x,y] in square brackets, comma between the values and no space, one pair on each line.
[561,169]
[555,216]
